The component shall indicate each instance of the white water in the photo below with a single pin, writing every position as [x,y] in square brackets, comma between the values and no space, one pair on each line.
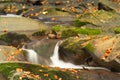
[59,63]
[32,56]
[10,15]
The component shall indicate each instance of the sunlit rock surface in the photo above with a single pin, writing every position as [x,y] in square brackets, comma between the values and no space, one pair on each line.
[9,53]
[20,24]
[105,51]
[101,18]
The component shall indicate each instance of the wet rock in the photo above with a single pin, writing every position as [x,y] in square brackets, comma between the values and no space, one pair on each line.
[44,49]
[72,51]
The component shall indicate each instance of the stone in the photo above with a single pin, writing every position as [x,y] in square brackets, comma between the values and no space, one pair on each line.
[105,51]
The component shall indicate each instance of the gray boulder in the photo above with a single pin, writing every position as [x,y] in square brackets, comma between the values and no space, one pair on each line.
[105,51]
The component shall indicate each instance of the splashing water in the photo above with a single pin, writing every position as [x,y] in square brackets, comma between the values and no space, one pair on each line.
[32,55]
[59,63]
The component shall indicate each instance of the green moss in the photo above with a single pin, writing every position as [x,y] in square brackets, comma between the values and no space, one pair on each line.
[79,23]
[58,28]
[9,71]
[68,33]
[40,33]
[117,30]
[88,31]
[6,69]
[12,37]
[74,31]
[89,47]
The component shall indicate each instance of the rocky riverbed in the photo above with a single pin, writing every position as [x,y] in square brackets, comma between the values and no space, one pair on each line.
[59,40]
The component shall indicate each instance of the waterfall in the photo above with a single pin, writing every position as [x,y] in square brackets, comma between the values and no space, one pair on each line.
[56,62]
[32,55]
[59,63]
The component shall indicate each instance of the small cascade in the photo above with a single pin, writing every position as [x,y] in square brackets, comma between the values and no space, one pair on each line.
[32,55]
[59,63]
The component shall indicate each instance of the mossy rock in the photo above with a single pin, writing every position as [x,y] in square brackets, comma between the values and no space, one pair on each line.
[74,31]
[89,48]
[23,71]
[79,23]
[71,50]
[117,30]
[13,38]
[15,70]
[40,33]
[58,28]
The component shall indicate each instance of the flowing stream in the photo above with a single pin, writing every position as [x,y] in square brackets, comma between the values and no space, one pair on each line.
[59,63]
[56,62]
[32,55]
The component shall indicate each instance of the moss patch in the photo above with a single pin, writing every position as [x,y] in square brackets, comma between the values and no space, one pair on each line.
[79,23]
[117,30]
[14,39]
[89,47]
[11,69]
[74,31]
[58,28]
[39,33]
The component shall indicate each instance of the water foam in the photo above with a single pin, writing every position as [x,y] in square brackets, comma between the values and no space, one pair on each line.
[32,55]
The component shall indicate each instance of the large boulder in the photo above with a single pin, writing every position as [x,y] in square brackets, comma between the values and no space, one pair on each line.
[20,24]
[71,50]
[105,51]
[14,39]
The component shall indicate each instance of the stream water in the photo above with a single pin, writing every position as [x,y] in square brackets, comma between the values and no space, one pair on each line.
[59,63]
[31,56]
[56,62]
